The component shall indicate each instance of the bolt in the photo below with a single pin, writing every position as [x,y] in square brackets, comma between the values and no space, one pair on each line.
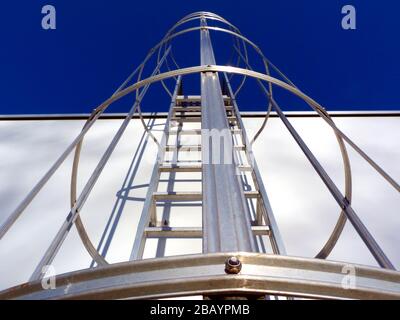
[233,265]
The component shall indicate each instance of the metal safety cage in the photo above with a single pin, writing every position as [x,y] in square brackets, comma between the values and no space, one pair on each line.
[234,262]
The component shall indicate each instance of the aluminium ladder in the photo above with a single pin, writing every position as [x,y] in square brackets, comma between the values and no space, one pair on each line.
[237,219]
[187,109]
[227,225]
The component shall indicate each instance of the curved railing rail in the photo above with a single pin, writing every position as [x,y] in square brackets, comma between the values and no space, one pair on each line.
[188,275]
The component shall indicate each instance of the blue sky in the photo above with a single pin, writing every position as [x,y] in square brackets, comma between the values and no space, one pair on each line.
[97,43]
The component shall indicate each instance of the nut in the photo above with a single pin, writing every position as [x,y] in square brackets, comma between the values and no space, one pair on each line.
[233,265]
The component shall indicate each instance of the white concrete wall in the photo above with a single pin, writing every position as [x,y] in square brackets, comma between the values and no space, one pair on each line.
[303,207]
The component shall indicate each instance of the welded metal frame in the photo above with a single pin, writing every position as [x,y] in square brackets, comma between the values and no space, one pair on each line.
[238,282]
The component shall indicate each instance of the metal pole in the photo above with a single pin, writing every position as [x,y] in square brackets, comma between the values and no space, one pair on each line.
[365,235]
[226,218]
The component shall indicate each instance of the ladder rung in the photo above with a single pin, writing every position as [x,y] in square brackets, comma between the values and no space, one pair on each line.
[251,194]
[178,168]
[192,232]
[196,98]
[186,132]
[187,109]
[196,147]
[177,196]
[194,108]
[186,119]
[179,113]
[261,230]
[183,161]
[182,113]
[196,119]
[245,168]
[173,232]
[188,98]
[198,132]
[192,196]
[196,168]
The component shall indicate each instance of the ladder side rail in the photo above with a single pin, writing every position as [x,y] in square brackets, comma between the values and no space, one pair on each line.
[276,238]
[140,238]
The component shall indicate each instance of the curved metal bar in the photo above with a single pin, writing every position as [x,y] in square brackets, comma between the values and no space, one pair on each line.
[198,16]
[165,55]
[240,56]
[168,38]
[337,231]
[331,242]
[269,96]
[165,86]
[230,61]
[363,232]
[315,105]
[339,226]
[261,129]
[168,68]
[80,227]
[341,222]
[246,57]
[139,111]
[96,256]
[187,275]
[74,212]
[173,59]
